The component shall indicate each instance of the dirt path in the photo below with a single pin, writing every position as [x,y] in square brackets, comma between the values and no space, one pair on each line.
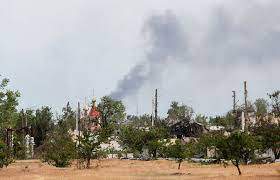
[130,169]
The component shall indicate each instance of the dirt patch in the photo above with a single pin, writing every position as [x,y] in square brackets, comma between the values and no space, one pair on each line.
[132,169]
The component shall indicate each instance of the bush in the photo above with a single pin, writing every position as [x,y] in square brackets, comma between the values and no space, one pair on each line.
[59,149]
[136,140]
[19,149]
[5,158]
[89,146]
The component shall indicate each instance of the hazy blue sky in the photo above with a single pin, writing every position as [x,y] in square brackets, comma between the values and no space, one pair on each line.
[195,51]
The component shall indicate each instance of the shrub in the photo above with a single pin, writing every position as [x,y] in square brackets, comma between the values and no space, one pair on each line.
[89,146]
[5,158]
[59,149]
[19,149]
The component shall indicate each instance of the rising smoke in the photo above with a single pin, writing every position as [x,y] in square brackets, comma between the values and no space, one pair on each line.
[167,42]
[233,35]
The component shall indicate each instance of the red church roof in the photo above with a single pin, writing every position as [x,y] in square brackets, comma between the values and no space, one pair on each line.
[94,113]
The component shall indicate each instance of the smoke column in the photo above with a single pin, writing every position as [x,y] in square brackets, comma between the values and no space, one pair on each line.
[167,41]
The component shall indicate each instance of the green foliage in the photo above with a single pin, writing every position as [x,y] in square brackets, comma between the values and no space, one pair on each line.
[261,107]
[19,146]
[238,147]
[269,137]
[179,151]
[130,138]
[112,111]
[27,117]
[155,141]
[89,144]
[5,158]
[227,121]
[42,125]
[139,121]
[208,141]
[59,148]
[136,139]
[275,102]
[69,117]
[178,112]
[8,104]
[201,119]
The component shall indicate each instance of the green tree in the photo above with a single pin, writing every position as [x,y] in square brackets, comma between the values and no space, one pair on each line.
[179,151]
[136,139]
[59,148]
[208,141]
[238,147]
[261,107]
[217,121]
[89,144]
[139,121]
[5,158]
[201,119]
[42,125]
[25,117]
[19,147]
[178,112]
[154,140]
[131,138]
[227,121]
[8,105]
[69,117]
[275,102]
[112,111]
[269,136]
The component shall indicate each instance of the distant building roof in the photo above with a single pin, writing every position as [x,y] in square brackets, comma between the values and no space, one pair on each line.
[187,129]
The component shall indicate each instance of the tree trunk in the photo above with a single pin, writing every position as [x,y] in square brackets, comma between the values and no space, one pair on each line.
[155,154]
[236,164]
[276,152]
[88,163]
[239,172]
[179,166]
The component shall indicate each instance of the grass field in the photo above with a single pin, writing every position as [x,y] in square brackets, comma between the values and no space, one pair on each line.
[133,169]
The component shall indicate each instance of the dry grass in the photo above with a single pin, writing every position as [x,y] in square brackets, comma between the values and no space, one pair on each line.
[130,169]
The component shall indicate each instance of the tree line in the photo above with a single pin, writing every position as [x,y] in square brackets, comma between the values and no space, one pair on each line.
[55,144]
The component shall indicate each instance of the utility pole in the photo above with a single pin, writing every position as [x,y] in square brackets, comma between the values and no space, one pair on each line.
[137,109]
[234,111]
[234,101]
[25,118]
[152,116]
[78,128]
[137,106]
[22,118]
[156,105]
[23,125]
[245,103]
[78,123]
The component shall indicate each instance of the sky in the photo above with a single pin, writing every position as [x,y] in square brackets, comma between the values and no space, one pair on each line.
[195,52]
